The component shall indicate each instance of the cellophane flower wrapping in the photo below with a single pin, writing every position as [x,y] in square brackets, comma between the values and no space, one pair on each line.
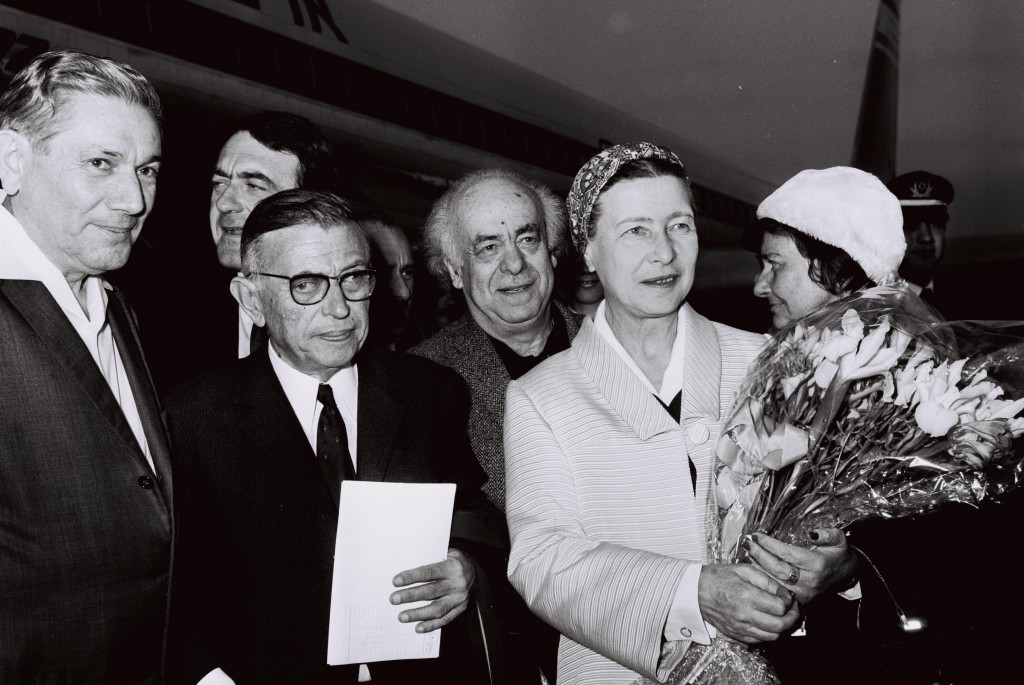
[870,408]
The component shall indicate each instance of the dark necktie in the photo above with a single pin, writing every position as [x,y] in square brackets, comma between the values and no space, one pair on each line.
[674,409]
[332,443]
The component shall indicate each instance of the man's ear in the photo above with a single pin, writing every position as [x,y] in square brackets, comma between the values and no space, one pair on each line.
[247,294]
[455,274]
[14,148]
[588,260]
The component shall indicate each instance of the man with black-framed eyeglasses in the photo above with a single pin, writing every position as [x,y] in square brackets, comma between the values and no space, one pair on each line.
[311,288]
[264,444]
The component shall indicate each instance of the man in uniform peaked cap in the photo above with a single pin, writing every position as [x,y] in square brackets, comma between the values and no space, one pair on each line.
[924,198]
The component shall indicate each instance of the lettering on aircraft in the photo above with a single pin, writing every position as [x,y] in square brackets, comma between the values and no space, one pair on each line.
[316,10]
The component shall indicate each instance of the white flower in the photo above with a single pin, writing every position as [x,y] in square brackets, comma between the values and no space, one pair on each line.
[1016,426]
[825,372]
[885,357]
[954,373]
[907,381]
[873,342]
[791,383]
[888,387]
[1002,409]
[966,408]
[935,419]
[839,347]
[852,324]
[922,353]
[984,390]
[873,355]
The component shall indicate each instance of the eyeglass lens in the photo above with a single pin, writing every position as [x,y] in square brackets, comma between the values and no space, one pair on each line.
[312,288]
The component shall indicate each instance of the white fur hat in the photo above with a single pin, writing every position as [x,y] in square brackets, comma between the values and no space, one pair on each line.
[846,208]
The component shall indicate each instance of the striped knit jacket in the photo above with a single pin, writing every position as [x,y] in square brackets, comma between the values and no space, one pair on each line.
[600,504]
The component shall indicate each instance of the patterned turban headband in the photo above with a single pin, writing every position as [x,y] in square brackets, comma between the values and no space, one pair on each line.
[592,178]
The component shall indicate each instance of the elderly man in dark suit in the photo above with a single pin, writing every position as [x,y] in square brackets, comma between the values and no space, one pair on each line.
[85,480]
[497,236]
[266,442]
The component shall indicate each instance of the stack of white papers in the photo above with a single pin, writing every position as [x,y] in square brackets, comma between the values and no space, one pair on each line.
[383,529]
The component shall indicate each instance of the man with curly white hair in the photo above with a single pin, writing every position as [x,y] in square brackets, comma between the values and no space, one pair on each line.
[496,236]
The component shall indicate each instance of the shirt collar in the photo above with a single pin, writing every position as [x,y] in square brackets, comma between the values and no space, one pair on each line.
[672,381]
[22,260]
[301,389]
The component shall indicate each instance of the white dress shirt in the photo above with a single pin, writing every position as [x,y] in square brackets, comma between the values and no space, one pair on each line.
[301,391]
[685,620]
[21,259]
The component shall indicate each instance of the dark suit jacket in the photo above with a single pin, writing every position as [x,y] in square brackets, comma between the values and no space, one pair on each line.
[465,348]
[85,525]
[258,520]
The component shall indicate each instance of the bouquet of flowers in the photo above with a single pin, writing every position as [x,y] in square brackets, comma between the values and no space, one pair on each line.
[869,408]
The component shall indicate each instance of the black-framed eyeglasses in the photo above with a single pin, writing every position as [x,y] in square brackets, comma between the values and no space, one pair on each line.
[307,289]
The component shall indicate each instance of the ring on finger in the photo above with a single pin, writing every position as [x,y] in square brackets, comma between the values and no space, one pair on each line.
[794,577]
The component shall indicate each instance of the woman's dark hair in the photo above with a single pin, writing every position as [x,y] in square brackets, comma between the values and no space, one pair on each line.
[641,168]
[828,266]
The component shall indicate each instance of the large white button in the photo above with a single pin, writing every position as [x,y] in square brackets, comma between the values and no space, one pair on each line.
[698,433]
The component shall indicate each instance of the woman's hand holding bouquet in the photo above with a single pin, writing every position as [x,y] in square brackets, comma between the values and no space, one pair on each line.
[869,408]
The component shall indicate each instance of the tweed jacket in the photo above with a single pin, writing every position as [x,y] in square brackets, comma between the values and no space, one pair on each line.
[465,348]
[601,507]
[85,522]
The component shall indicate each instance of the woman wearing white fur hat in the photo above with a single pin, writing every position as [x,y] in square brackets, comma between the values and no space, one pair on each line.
[826,234]
[822,236]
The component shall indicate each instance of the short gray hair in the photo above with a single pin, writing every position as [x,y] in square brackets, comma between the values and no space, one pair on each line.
[441,239]
[32,103]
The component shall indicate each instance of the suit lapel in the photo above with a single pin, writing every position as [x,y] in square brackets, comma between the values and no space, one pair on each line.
[702,368]
[59,337]
[381,410]
[702,387]
[267,418]
[630,399]
[128,345]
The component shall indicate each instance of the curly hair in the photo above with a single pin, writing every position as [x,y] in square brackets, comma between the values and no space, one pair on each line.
[442,240]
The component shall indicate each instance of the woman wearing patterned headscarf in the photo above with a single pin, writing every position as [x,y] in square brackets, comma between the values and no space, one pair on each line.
[610,445]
